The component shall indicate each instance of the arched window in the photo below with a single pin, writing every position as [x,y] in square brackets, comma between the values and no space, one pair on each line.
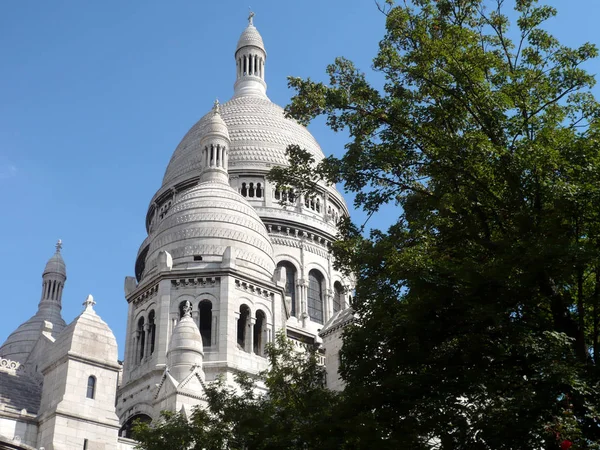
[315,296]
[206,322]
[91,387]
[244,190]
[151,330]
[251,190]
[260,333]
[141,338]
[338,297]
[258,190]
[242,326]
[290,283]
[126,430]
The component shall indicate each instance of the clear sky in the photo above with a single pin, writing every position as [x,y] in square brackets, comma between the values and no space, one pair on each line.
[95,96]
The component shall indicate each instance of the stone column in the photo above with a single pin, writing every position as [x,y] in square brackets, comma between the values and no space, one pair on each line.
[250,335]
[214,332]
[328,305]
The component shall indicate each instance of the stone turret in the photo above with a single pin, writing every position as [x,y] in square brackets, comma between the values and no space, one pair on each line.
[215,149]
[21,342]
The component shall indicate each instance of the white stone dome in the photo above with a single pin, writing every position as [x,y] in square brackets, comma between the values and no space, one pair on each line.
[250,37]
[259,134]
[206,220]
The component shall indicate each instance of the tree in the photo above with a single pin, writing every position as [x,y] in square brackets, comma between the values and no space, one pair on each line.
[478,309]
[292,410]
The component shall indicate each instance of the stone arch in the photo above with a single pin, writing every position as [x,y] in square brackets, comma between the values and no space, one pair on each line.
[126,430]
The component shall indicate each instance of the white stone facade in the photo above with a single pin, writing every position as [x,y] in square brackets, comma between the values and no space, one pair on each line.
[228,262]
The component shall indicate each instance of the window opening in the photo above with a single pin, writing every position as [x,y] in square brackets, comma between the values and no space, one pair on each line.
[152,330]
[251,190]
[91,387]
[258,190]
[244,191]
[260,331]
[338,297]
[141,338]
[290,283]
[315,296]
[206,322]
[242,326]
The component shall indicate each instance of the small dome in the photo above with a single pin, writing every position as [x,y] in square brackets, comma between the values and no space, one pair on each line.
[250,36]
[56,264]
[185,348]
[215,125]
[206,220]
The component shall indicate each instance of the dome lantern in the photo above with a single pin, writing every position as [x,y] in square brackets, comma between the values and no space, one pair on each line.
[214,146]
[250,57]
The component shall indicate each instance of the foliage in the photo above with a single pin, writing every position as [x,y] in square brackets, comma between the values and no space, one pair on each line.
[297,411]
[478,308]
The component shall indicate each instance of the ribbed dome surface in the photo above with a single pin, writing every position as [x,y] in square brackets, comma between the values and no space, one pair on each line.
[56,264]
[259,135]
[250,36]
[204,222]
[20,342]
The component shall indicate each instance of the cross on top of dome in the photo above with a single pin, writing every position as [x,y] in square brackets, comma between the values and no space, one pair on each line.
[251,17]
[58,246]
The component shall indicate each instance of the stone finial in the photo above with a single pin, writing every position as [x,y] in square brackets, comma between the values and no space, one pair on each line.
[216,107]
[58,246]
[251,18]
[187,309]
[89,303]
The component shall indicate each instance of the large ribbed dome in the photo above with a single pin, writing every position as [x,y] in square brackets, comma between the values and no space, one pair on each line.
[206,220]
[259,134]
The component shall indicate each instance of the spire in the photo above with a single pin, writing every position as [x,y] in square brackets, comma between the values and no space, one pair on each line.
[250,57]
[215,148]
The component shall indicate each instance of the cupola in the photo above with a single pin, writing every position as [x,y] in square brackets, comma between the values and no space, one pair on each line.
[214,146]
[250,57]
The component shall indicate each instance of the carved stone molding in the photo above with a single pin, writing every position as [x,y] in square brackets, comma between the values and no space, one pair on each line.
[146,295]
[183,283]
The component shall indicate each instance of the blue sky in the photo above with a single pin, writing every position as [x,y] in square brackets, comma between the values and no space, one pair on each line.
[95,96]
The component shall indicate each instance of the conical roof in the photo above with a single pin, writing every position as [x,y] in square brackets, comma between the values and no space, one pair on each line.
[185,349]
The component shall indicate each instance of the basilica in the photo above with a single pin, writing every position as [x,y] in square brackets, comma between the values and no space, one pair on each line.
[228,262]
